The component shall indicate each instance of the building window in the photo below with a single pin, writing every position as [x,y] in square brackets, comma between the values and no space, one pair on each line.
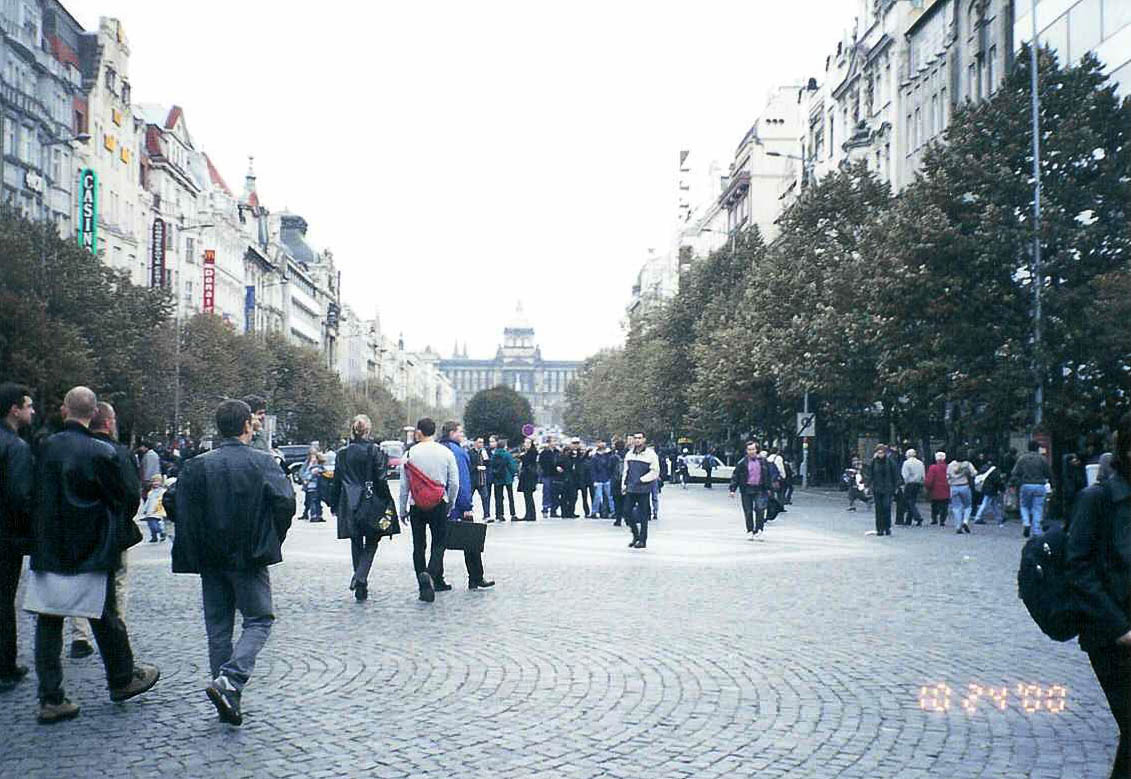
[1084,28]
[30,21]
[1056,37]
[1117,15]
[27,155]
[11,137]
[832,135]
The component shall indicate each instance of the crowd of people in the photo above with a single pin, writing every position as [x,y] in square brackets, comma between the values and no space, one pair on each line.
[72,505]
[960,489]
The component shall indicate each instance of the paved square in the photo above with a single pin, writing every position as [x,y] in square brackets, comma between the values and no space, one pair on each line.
[706,655]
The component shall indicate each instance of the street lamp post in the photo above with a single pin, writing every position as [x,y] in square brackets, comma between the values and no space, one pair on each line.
[177,343]
[1039,398]
[806,166]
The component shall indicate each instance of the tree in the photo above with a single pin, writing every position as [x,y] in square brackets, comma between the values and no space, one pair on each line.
[376,402]
[958,323]
[67,319]
[498,411]
[598,399]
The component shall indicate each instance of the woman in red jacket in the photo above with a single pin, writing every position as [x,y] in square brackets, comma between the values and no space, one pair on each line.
[938,490]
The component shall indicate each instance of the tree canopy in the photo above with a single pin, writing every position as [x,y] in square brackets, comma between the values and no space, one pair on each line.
[498,411]
[912,313]
[68,319]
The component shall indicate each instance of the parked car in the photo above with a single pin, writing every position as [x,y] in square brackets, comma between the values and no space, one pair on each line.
[394,450]
[695,470]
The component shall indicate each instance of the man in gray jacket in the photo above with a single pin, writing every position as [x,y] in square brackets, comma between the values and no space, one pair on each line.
[434,462]
[1032,475]
[641,468]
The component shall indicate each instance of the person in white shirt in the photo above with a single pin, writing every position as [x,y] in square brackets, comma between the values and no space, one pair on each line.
[914,474]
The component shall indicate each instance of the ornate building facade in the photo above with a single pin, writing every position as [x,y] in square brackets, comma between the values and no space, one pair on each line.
[517,364]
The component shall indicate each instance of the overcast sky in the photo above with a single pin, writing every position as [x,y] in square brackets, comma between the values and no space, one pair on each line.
[482,151]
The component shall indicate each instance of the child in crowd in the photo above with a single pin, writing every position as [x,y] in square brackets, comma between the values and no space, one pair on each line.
[310,473]
[152,510]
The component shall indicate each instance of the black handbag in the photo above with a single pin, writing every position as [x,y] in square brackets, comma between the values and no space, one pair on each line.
[372,514]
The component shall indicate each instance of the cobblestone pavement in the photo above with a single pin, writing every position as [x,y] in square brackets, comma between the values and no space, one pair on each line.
[706,655]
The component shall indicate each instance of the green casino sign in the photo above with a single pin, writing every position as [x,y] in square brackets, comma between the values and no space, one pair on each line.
[88,210]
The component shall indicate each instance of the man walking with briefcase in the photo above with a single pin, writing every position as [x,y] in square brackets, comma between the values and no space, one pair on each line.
[451,436]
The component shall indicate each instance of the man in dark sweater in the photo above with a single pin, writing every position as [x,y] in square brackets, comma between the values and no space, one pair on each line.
[884,476]
[16,469]
[548,466]
[569,468]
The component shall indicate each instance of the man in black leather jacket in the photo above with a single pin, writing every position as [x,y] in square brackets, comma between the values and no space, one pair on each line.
[81,495]
[104,427]
[16,466]
[233,507]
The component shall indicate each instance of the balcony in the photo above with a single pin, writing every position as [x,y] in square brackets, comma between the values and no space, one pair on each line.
[739,185]
[22,101]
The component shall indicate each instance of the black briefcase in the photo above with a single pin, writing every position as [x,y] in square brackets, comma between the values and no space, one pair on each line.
[466,536]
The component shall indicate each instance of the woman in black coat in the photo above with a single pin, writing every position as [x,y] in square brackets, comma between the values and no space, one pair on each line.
[528,478]
[1099,569]
[359,462]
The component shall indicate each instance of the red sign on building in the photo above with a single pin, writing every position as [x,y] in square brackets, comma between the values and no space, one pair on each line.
[209,281]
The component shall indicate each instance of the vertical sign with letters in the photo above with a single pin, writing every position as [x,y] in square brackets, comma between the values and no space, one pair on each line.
[88,210]
[209,281]
[157,254]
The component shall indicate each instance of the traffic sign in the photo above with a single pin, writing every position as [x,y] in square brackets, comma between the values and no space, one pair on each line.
[528,429]
[807,424]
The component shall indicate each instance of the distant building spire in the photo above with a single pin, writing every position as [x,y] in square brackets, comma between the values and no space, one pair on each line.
[250,196]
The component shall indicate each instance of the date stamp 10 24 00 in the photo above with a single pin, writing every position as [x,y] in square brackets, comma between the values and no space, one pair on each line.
[1027,698]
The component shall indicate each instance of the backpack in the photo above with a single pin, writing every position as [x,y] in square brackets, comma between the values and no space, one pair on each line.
[1042,583]
[981,478]
[499,468]
[426,492]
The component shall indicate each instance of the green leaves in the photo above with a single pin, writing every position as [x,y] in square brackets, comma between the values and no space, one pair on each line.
[914,311]
[67,319]
[499,411]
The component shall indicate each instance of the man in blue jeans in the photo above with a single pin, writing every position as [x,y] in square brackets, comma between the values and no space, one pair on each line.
[1032,475]
[601,467]
[232,507]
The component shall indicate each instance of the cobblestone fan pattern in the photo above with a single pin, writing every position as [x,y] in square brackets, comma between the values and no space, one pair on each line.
[706,655]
